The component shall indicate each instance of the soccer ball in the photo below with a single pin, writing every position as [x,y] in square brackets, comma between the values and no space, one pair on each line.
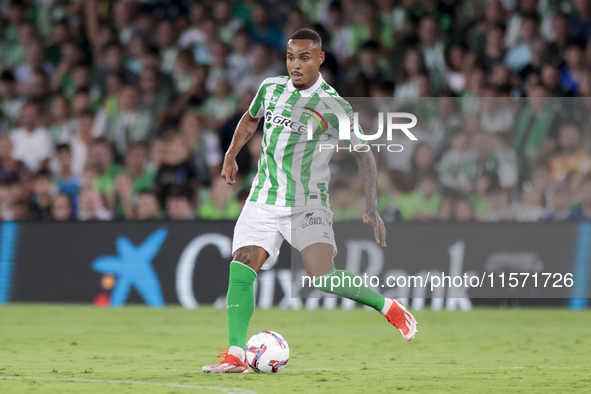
[267,351]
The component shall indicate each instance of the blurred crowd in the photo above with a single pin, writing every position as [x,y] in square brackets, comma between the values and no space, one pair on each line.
[123,109]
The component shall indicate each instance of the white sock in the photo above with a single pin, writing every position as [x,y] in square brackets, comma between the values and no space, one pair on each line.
[387,304]
[237,351]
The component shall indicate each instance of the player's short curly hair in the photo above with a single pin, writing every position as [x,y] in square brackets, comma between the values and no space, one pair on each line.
[307,34]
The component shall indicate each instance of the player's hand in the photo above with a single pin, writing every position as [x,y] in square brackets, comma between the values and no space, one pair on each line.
[373,218]
[229,170]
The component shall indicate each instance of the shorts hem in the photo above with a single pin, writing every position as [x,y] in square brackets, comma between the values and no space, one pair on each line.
[333,244]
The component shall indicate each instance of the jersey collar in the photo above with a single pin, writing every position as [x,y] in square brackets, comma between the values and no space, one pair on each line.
[308,92]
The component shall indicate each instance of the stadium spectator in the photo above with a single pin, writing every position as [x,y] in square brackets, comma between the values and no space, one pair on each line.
[499,205]
[71,56]
[535,129]
[531,208]
[424,203]
[490,157]
[61,122]
[81,140]
[131,123]
[550,79]
[494,50]
[221,105]
[477,198]
[570,156]
[341,34]
[183,70]
[413,65]
[263,66]
[193,34]
[35,54]
[572,75]
[61,208]
[147,206]
[21,210]
[178,207]
[203,145]
[42,197]
[134,177]
[444,124]
[561,203]
[14,34]
[422,160]
[541,181]
[11,170]
[157,153]
[176,175]
[582,211]
[100,158]
[453,167]
[112,62]
[221,203]
[561,31]
[522,52]
[581,23]
[155,96]
[91,206]
[32,142]
[11,102]
[461,211]
[263,31]
[65,180]
[432,48]
[367,73]
[239,59]
[496,117]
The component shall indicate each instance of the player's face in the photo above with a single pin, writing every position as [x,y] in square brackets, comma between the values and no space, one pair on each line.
[303,62]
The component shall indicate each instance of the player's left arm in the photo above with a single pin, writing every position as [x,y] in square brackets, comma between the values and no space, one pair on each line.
[369,174]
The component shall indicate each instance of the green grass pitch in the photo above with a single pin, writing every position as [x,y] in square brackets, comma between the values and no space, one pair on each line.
[82,349]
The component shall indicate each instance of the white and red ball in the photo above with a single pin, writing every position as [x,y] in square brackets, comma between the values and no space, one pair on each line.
[267,351]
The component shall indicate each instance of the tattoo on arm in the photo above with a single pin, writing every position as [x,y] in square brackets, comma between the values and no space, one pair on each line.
[369,176]
[249,131]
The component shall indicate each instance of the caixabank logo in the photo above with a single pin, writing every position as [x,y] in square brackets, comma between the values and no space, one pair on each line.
[132,267]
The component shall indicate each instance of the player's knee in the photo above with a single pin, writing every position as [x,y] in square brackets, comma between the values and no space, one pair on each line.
[253,256]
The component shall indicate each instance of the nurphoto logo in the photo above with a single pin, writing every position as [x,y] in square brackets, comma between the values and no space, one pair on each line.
[348,126]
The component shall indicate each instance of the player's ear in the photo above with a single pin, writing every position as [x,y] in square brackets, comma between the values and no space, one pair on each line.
[321,58]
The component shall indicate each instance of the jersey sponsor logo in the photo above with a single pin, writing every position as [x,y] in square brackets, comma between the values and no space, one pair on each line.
[280,120]
[311,220]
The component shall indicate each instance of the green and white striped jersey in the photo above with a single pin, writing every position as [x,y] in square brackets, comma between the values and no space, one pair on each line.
[293,169]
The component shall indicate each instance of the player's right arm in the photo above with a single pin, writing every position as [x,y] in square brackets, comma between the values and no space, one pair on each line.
[244,131]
